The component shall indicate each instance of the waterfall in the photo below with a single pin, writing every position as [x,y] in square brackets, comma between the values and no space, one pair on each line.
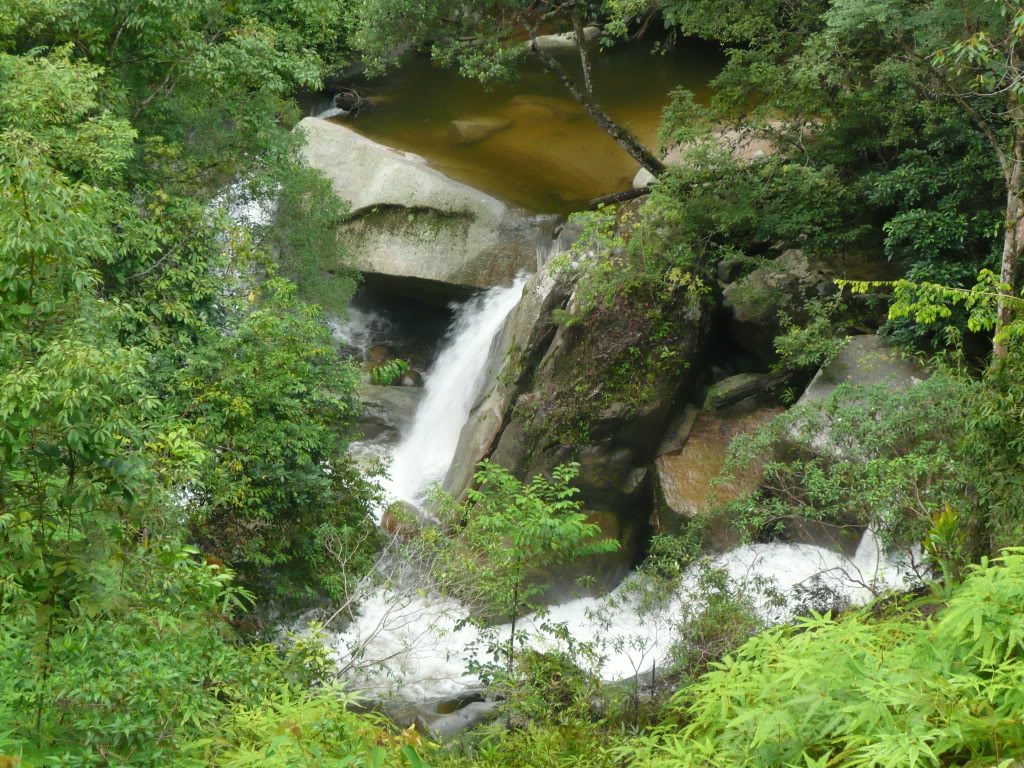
[547,227]
[455,380]
[406,643]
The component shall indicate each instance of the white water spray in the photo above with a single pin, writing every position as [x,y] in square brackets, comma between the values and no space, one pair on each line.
[423,645]
[427,451]
[361,328]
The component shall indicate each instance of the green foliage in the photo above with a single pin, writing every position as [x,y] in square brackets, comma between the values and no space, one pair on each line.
[929,303]
[160,388]
[875,143]
[580,743]
[307,729]
[304,235]
[210,76]
[484,42]
[273,403]
[389,372]
[150,673]
[628,254]
[896,460]
[495,551]
[901,691]
[866,456]
[119,283]
[815,343]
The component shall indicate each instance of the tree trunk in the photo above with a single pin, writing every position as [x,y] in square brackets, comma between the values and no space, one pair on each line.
[512,632]
[1013,242]
[754,387]
[618,197]
[624,138]
[581,45]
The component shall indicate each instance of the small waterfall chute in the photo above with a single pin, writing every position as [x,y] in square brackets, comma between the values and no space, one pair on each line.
[452,386]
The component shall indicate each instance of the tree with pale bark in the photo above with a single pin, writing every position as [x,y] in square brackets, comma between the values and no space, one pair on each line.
[984,74]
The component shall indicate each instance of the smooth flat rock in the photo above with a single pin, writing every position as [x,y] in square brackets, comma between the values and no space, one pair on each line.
[866,360]
[683,478]
[475,129]
[411,222]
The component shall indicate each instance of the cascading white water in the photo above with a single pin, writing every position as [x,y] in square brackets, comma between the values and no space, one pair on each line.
[361,327]
[423,642]
[425,454]
[245,209]
[333,112]
[407,644]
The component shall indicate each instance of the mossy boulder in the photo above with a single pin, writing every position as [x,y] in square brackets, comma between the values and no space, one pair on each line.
[387,412]
[754,302]
[591,390]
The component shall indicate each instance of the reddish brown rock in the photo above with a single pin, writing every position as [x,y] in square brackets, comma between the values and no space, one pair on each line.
[683,479]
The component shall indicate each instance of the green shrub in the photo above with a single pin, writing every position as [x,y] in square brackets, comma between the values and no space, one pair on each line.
[898,692]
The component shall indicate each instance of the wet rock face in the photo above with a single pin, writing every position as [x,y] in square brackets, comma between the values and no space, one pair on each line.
[380,353]
[387,412]
[444,719]
[684,474]
[410,222]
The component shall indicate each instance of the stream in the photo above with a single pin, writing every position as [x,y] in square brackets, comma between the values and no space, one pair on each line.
[543,154]
[550,157]
[408,645]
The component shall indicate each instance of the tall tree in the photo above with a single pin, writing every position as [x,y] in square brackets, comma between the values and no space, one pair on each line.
[872,75]
[983,73]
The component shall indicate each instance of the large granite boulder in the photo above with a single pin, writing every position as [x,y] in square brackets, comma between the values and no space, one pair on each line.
[691,459]
[866,360]
[755,302]
[557,393]
[412,224]
[387,412]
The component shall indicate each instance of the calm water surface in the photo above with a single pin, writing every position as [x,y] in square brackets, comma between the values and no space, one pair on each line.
[551,158]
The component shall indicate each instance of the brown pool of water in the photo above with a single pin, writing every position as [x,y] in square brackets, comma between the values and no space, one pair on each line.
[546,155]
